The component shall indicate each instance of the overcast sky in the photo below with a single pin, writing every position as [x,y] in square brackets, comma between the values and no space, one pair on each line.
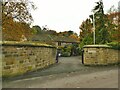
[64,15]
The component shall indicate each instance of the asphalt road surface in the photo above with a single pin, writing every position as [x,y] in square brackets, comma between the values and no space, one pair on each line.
[69,73]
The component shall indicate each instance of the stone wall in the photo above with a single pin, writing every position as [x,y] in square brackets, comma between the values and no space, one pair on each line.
[19,58]
[100,55]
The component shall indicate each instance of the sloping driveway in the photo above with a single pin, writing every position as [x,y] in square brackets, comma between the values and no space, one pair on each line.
[66,73]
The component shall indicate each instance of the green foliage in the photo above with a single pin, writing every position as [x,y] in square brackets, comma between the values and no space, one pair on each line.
[86,41]
[76,49]
[104,27]
[36,29]
[86,29]
[65,54]
[70,32]
[114,45]
[70,50]
[102,34]
[66,51]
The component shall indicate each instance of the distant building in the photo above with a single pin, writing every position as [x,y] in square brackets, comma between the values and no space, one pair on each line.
[56,40]
[62,41]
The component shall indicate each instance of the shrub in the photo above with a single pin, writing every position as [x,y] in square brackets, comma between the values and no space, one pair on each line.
[114,45]
[65,54]
[66,51]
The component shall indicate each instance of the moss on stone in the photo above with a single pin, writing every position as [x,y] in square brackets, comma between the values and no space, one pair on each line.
[16,43]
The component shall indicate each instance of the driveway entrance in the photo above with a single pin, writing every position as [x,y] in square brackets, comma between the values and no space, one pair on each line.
[65,65]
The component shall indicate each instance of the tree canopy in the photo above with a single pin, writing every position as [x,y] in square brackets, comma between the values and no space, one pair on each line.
[102,35]
[18,10]
[101,32]
[13,31]
[106,26]
[16,19]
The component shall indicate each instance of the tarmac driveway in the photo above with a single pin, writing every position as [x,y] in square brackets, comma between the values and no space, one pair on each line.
[69,71]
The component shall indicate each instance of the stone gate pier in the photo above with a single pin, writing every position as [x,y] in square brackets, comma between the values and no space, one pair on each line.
[100,55]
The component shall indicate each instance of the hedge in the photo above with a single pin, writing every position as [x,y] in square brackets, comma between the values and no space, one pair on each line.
[114,45]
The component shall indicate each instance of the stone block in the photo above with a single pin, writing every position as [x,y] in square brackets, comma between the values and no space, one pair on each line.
[100,55]
[21,59]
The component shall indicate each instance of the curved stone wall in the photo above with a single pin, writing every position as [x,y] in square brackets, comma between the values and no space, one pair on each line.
[21,57]
[100,55]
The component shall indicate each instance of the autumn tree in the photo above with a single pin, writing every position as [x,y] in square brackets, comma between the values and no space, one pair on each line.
[16,19]
[18,10]
[75,37]
[13,31]
[107,26]
[114,26]
[86,32]
[114,20]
